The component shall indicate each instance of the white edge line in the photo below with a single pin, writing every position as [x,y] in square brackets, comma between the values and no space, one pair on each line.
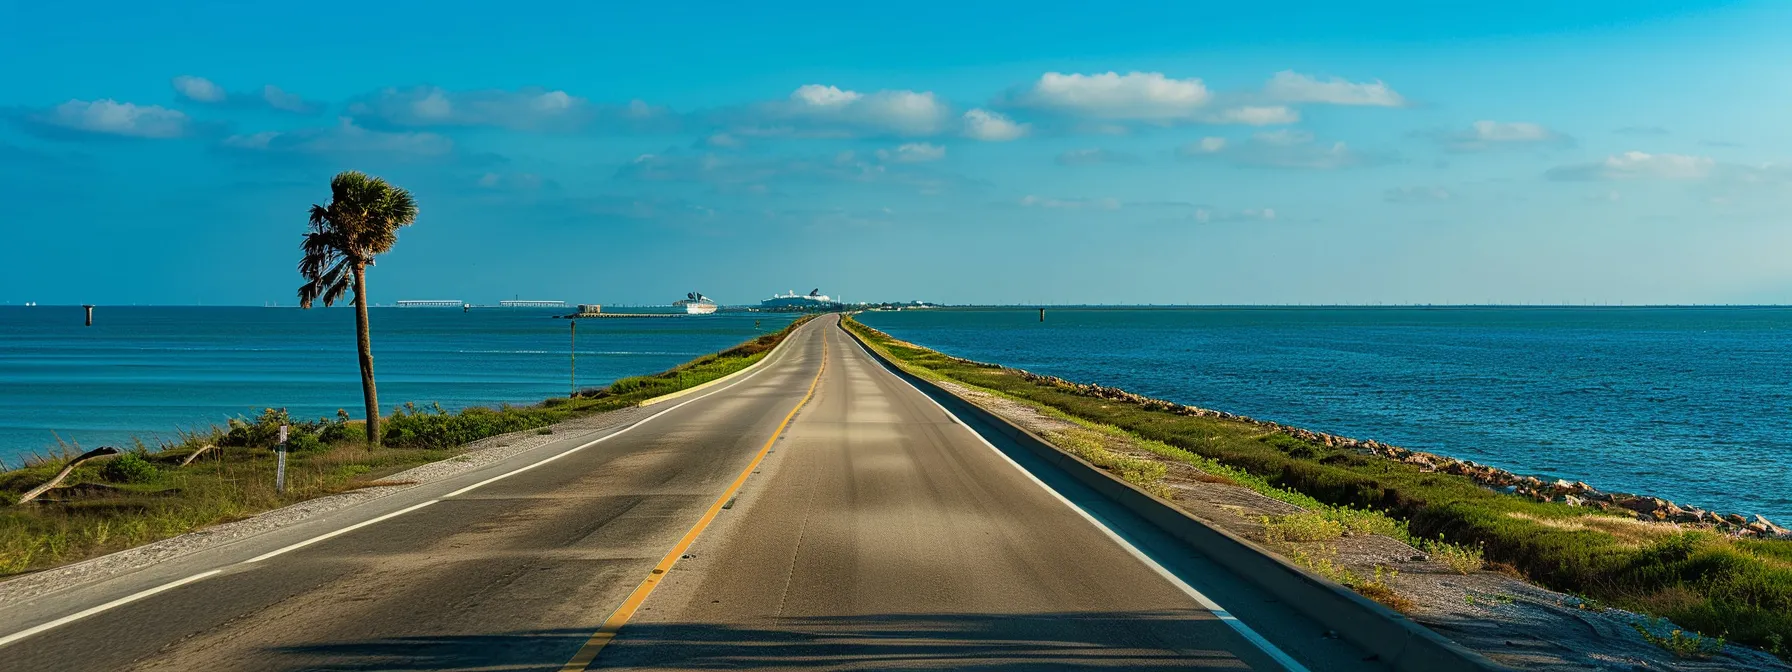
[614,434]
[1219,612]
[133,597]
[336,533]
[65,620]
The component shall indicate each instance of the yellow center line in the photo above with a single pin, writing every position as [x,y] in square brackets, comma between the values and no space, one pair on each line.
[607,632]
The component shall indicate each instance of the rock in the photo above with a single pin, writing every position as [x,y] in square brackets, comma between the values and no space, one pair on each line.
[1685,516]
[1765,526]
[1645,504]
[1736,519]
[1570,500]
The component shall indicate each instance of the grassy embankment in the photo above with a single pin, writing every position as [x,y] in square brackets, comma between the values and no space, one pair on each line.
[1720,586]
[145,494]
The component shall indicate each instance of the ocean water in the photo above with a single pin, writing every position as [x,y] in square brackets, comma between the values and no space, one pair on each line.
[1690,404]
[146,372]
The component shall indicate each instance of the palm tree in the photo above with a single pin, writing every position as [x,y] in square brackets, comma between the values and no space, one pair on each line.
[360,222]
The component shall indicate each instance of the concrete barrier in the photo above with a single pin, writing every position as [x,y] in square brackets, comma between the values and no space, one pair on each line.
[1396,639]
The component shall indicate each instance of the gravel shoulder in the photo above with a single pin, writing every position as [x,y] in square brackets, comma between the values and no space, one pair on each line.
[1497,615]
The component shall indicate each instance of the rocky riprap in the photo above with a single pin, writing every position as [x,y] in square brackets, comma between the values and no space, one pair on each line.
[1579,494]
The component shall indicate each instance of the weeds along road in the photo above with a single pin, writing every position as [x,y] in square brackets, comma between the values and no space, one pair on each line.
[818,513]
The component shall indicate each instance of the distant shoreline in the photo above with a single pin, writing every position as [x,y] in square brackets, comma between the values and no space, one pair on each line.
[1052,306]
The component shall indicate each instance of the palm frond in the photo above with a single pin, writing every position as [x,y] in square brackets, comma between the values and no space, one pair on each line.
[360,222]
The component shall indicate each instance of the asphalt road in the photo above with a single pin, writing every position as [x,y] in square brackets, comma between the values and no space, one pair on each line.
[878,533]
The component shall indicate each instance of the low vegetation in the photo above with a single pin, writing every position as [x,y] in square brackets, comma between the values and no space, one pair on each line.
[1679,642]
[227,473]
[1715,585]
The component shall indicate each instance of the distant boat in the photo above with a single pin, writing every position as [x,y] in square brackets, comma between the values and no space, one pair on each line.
[814,300]
[695,303]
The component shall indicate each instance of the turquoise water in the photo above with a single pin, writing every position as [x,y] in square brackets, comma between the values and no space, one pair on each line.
[1691,404]
[145,372]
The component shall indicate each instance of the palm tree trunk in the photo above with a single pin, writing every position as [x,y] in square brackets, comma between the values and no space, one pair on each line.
[364,341]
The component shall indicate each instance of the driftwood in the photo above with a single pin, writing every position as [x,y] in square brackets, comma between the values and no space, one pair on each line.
[189,459]
[101,451]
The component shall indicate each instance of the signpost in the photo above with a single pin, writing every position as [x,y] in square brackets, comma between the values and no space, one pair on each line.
[280,463]
[572,358]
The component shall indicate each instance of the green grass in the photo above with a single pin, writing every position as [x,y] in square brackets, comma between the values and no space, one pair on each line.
[145,494]
[1714,585]
[1679,642]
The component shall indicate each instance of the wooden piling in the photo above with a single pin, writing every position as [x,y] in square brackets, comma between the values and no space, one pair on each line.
[89,308]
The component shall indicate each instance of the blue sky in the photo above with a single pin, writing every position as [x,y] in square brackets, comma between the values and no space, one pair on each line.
[1284,152]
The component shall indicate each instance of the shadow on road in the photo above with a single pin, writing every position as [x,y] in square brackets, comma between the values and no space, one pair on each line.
[989,642]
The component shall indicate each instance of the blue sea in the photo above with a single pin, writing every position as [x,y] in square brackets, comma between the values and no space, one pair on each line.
[1690,404]
[147,372]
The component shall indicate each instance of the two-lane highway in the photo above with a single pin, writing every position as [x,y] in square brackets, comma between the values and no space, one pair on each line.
[877,533]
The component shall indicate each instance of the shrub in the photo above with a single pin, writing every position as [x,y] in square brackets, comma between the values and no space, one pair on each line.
[342,431]
[1301,527]
[303,442]
[264,431]
[129,468]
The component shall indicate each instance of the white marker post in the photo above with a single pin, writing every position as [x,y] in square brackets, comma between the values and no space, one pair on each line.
[280,463]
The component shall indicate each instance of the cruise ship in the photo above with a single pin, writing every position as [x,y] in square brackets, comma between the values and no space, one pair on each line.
[695,303]
[814,300]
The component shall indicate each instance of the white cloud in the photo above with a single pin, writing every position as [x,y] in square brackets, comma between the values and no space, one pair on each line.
[1134,96]
[110,117]
[202,90]
[512,181]
[1292,87]
[824,96]
[1280,149]
[913,152]
[1511,131]
[281,100]
[1486,134]
[533,109]
[990,126]
[1417,195]
[815,110]
[1204,215]
[1070,203]
[1283,138]
[199,89]
[1092,156]
[723,141]
[1255,115]
[731,172]
[345,138]
[1638,165]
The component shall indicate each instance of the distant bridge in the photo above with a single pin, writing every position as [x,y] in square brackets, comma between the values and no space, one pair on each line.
[431,303]
[532,304]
